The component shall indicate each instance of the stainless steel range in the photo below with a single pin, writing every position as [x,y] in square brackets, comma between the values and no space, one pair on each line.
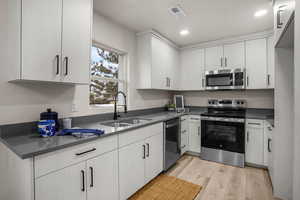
[223,132]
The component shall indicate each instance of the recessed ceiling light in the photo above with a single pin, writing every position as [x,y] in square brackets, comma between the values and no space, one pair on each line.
[184,32]
[260,13]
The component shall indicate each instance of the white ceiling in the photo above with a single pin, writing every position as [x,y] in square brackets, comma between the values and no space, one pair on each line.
[206,19]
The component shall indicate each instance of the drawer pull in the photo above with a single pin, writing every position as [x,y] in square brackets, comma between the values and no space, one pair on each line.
[88,151]
[192,118]
[252,123]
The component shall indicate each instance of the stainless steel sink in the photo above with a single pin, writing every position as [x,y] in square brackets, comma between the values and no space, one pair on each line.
[135,120]
[125,122]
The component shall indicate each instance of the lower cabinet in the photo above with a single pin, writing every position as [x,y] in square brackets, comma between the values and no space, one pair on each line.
[102,177]
[68,183]
[255,142]
[195,133]
[93,179]
[139,162]
[184,130]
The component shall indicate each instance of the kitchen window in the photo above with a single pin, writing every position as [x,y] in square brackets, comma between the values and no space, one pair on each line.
[107,75]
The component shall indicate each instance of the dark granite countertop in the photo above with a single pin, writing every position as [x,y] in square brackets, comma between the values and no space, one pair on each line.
[30,144]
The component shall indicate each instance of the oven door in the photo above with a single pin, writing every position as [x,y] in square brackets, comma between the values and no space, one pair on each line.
[223,134]
[219,81]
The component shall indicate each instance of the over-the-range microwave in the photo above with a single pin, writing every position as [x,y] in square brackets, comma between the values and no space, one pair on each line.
[225,79]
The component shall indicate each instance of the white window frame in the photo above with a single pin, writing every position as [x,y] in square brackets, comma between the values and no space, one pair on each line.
[121,79]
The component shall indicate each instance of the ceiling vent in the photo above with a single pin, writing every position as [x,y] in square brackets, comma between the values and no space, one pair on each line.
[177,11]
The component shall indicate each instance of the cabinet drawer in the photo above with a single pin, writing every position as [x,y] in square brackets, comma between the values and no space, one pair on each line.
[139,134]
[254,123]
[62,158]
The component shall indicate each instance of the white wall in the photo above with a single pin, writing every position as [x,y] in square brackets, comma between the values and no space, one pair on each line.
[23,102]
[255,98]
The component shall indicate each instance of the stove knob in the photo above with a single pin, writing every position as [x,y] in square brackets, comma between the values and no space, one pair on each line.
[242,102]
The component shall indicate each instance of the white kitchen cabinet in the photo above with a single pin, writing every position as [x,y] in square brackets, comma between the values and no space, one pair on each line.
[268,148]
[184,129]
[76,40]
[92,179]
[256,63]
[214,58]
[254,142]
[68,183]
[271,63]
[131,169]
[192,69]
[102,177]
[158,63]
[195,134]
[55,44]
[141,161]
[234,55]
[41,40]
[154,157]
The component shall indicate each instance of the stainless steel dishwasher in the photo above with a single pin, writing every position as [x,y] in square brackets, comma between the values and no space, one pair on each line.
[171,142]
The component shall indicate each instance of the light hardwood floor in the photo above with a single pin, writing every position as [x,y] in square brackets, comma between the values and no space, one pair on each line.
[223,182]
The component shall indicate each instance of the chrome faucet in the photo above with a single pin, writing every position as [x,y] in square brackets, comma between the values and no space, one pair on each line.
[116,101]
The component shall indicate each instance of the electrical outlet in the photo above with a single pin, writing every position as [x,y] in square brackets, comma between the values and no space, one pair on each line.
[74,107]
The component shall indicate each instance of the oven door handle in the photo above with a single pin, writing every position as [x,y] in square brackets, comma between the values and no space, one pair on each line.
[171,125]
[221,119]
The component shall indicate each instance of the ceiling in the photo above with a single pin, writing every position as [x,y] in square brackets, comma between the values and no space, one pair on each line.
[206,19]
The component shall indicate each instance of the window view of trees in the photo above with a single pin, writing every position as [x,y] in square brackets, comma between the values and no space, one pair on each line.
[104,76]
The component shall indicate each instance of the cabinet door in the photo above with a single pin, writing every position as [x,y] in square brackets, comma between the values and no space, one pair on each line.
[76,40]
[102,177]
[256,64]
[154,157]
[160,64]
[68,183]
[255,145]
[173,70]
[192,70]
[271,65]
[41,40]
[184,128]
[195,134]
[234,55]
[131,169]
[213,58]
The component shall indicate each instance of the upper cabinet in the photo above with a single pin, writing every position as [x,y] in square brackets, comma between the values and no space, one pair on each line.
[234,55]
[256,63]
[271,63]
[229,56]
[55,43]
[192,69]
[213,58]
[283,15]
[158,63]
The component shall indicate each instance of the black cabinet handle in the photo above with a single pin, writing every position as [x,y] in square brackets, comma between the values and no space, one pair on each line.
[92,177]
[247,137]
[67,66]
[57,64]
[83,181]
[148,149]
[144,151]
[88,151]
[269,141]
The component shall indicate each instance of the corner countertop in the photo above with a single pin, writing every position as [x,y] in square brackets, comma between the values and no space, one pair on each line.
[30,145]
